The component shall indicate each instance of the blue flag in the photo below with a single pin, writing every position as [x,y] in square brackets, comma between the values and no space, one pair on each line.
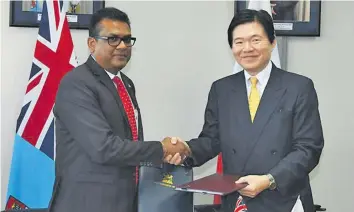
[32,169]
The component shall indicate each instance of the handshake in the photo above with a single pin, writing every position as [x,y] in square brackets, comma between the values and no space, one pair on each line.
[175,150]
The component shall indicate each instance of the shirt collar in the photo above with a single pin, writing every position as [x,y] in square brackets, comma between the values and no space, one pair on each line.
[112,75]
[262,76]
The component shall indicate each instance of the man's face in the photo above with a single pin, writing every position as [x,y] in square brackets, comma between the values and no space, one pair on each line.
[111,57]
[251,47]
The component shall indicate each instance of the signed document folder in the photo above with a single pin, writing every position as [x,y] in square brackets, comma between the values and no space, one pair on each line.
[219,184]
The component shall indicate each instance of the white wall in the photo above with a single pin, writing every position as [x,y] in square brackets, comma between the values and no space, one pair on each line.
[328,60]
[1,121]
[181,49]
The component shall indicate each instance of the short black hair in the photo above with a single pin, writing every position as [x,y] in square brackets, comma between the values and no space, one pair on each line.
[248,16]
[110,13]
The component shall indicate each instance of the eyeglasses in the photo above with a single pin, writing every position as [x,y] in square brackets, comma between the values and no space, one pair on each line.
[115,40]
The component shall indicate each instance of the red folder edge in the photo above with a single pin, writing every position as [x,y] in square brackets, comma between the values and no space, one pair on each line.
[219,184]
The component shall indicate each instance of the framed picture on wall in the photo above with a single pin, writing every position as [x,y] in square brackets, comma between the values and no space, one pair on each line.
[28,13]
[292,18]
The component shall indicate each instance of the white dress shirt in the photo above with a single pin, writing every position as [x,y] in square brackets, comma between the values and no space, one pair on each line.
[263,77]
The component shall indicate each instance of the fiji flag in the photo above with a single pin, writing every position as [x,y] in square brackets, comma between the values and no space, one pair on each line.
[32,168]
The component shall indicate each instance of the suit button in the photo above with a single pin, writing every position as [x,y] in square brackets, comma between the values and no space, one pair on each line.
[274,152]
[234,151]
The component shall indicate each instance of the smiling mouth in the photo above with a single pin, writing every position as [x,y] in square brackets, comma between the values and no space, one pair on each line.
[120,56]
[250,58]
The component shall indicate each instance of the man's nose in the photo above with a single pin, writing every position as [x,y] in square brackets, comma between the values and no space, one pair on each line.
[121,45]
[248,46]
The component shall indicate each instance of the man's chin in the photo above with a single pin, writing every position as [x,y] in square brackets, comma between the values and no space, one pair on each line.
[120,65]
[248,67]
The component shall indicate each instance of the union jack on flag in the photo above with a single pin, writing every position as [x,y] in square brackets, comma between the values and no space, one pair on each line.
[240,205]
[32,168]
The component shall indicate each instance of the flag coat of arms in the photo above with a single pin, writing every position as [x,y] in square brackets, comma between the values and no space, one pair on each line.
[32,169]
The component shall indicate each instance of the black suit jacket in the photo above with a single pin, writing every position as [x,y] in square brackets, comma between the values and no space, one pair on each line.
[95,155]
[285,139]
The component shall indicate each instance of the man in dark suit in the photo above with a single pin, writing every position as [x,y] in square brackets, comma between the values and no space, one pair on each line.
[265,121]
[99,132]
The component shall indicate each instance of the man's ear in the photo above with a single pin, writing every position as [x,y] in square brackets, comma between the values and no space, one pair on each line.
[91,43]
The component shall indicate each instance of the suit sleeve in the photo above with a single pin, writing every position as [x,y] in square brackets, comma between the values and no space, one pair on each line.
[307,139]
[78,109]
[207,145]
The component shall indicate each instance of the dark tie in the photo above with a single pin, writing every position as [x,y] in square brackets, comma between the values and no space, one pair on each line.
[129,110]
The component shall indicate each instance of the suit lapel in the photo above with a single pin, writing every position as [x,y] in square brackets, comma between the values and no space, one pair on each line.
[131,92]
[269,102]
[129,88]
[103,77]
[270,99]
[239,103]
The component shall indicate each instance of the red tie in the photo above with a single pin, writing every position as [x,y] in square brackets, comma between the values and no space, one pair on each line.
[128,107]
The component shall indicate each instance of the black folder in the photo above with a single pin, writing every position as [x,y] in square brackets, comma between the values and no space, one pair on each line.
[157,189]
